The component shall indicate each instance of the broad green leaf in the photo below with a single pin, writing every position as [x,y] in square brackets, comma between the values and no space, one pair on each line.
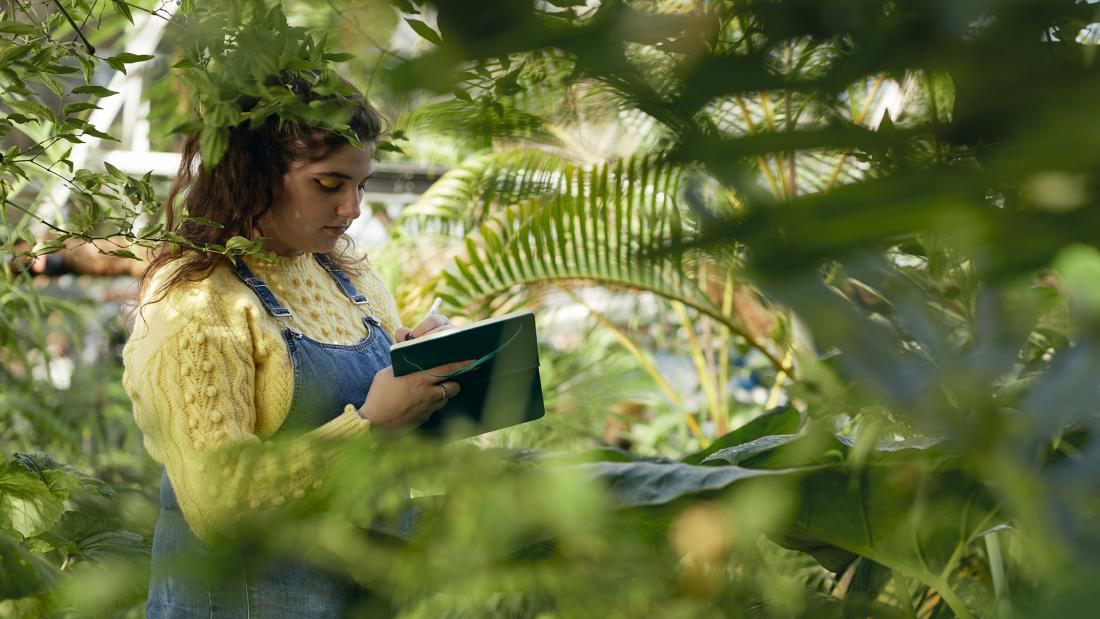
[26,503]
[62,479]
[23,574]
[781,421]
[912,516]
[212,144]
[93,536]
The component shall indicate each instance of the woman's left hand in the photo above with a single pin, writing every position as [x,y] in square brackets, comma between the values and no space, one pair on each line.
[435,323]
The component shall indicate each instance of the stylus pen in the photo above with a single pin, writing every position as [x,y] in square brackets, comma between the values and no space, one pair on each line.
[435,306]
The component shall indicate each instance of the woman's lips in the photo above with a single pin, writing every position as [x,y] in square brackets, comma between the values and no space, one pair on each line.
[335,230]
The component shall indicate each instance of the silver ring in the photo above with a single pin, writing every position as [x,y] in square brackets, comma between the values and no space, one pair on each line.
[446,395]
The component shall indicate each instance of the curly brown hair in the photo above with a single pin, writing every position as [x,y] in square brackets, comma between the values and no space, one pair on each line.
[244,185]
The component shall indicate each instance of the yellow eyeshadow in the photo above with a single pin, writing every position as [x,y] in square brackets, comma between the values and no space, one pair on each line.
[328,183]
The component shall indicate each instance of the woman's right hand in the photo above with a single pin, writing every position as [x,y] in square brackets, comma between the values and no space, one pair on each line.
[396,402]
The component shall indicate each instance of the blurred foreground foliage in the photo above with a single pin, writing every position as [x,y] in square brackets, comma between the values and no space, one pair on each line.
[911,183]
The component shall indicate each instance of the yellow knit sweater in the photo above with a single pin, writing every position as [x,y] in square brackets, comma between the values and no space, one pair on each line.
[210,378]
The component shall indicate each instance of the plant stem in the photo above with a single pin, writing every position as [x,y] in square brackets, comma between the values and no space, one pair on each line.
[700,365]
[952,600]
[997,568]
[87,44]
[724,345]
[905,597]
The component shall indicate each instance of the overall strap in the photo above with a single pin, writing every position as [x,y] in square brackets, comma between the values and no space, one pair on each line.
[342,280]
[349,290]
[260,288]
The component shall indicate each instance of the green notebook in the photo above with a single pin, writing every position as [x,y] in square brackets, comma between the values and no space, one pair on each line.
[500,389]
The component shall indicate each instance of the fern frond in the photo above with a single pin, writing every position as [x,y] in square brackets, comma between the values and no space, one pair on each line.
[463,197]
[476,126]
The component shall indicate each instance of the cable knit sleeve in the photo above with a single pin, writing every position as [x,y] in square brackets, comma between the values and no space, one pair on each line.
[191,374]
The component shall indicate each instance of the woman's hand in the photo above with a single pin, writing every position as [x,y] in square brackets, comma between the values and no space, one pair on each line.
[396,402]
[434,323]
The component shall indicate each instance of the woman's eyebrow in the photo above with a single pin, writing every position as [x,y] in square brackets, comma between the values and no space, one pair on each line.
[342,176]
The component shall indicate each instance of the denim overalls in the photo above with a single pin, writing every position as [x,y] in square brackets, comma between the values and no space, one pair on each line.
[326,377]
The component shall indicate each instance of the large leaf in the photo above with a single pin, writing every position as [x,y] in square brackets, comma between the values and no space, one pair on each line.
[780,421]
[22,574]
[92,537]
[62,479]
[26,503]
[607,226]
[466,195]
[914,516]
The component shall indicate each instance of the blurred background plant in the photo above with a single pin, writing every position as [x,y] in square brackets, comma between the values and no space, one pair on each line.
[816,289]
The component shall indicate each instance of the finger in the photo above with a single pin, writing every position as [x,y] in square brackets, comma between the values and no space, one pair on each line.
[447,368]
[452,390]
[402,334]
[441,328]
[430,323]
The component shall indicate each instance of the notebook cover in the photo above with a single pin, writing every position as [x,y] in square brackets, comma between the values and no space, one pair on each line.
[503,390]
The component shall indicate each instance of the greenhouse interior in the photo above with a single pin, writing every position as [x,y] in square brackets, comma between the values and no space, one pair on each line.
[549,308]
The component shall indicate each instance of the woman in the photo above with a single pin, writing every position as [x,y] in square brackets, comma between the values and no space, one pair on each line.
[226,355]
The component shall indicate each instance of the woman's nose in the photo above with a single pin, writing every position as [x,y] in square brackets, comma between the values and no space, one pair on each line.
[349,205]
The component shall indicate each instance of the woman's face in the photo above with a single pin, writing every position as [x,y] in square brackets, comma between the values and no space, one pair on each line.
[318,201]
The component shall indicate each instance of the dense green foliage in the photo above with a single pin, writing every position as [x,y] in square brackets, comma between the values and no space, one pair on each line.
[886,209]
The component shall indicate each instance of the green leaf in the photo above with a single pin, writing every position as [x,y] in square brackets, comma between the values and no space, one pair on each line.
[124,253]
[239,244]
[424,30]
[26,503]
[122,8]
[128,58]
[17,28]
[115,172]
[24,575]
[93,536]
[34,108]
[189,127]
[98,91]
[210,223]
[780,451]
[212,144]
[62,479]
[386,145]
[910,516]
[780,421]
[73,108]
[92,131]
[60,69]
[338,56]
[11,53]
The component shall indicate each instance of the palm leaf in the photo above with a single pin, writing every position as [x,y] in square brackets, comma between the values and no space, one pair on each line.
[464,196]
[475,126]
[611,226]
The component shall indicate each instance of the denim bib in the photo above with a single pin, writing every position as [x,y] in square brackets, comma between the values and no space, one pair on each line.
[326,378]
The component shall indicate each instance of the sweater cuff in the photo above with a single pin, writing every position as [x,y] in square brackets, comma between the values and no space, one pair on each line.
[347,425]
